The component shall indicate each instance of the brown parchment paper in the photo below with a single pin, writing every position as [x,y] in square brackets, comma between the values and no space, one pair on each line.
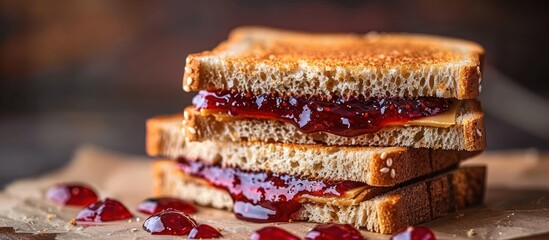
[516,204]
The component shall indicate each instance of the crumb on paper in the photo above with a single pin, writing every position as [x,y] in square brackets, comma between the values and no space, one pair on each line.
[460,215]
[50,217]
[138,219]
[80,228]
[72,222]
[471,232]
[133,230]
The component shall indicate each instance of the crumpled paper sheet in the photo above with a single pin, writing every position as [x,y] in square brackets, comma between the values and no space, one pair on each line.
[516,205]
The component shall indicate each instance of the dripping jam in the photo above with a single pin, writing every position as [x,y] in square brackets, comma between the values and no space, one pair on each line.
[341,116]
[204,231]
[264,196]
[159,204]
[104,211]
[272,233]
[169,222]
[334,232]
[414,233]
[72,194]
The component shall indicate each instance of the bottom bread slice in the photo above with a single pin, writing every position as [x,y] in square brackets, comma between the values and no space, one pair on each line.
[408,205]
[405,206]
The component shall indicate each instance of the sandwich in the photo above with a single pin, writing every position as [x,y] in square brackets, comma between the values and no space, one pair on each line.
[362,129]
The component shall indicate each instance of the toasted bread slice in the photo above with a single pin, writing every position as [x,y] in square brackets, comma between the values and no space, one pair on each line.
[263,60]
[373,165]
[467,134]
[409,205]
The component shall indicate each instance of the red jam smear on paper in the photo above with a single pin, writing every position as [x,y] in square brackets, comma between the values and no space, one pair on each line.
[104,211]
[264,196]
[272,233]
[156,205]
[169,222]
[414,233]
[334,232]
[345,117]
[71,194]
[204,231]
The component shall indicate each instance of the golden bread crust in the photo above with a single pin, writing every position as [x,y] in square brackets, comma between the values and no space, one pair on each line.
[264,60]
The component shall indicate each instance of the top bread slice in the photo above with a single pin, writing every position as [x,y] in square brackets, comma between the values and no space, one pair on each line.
[264,60]
[374,166]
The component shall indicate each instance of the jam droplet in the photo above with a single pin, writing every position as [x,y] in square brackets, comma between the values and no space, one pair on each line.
[104,211]
[156,205]
[272,233]
[346,117]
[414,233]
[334,232]
[204,231]
[73,194]
[169,222]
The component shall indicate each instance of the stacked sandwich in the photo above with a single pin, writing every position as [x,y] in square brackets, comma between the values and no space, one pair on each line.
[362,129]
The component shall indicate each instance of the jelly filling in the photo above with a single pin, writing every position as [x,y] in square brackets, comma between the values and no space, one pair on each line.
[265,196]
[338,115]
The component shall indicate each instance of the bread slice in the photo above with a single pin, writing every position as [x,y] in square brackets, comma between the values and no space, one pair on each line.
[409,205]
[375,166]
[467,134]
[264,60]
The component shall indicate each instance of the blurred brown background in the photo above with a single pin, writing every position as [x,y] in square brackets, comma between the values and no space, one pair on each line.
[91,71]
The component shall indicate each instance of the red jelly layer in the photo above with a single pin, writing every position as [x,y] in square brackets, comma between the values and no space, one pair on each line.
[156,205]
[72,194]
[345,117]
[104,211]
[263,196]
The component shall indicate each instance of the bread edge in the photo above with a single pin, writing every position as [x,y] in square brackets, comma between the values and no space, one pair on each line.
[410,205]
[386,166]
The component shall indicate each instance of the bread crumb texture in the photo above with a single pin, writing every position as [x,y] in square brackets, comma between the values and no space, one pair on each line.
[262,60]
